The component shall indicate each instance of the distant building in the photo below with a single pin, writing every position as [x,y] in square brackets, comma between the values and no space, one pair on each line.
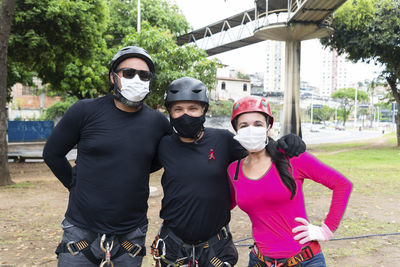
[274,78]
[29,102]
[334,73]
[307,90]
[257,83]
[230,89]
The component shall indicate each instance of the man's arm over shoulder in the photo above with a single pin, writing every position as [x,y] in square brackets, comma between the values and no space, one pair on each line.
[292,145]
[165,129]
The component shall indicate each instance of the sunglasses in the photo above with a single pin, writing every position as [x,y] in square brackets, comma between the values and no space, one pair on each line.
[129,73]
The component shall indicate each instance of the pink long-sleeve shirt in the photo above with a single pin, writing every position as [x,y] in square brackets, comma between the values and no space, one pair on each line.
[267,202]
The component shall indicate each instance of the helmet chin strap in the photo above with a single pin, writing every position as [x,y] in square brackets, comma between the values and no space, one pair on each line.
[120,98]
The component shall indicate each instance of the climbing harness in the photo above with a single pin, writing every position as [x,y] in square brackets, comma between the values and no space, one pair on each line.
[306,253]
[83,246]
[193,252]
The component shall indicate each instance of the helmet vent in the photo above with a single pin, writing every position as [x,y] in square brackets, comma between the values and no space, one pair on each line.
[196,91]
[174,91]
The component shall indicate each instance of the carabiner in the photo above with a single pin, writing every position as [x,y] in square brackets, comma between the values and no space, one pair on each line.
[107,251]
[103,238]
[164,250]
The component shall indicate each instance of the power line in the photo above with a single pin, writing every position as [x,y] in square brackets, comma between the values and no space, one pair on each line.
[333,239]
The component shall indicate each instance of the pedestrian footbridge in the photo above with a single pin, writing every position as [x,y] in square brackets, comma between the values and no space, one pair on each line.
[291,21]
[268,20]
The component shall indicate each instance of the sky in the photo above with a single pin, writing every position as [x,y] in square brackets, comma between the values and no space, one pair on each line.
[251,59]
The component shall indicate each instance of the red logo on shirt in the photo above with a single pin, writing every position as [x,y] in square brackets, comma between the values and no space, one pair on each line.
[211,155]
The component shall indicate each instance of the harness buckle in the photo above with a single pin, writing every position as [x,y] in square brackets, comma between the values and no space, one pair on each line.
[69,244]
[225,234]
[136,250]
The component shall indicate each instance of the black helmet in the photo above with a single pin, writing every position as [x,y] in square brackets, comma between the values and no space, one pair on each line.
[186,88]
[121,55]
[131,51]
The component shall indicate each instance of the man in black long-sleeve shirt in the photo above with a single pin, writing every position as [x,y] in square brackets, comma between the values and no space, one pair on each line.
[117,138]
[196,204]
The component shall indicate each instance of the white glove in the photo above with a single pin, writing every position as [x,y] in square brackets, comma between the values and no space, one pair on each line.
[309,232]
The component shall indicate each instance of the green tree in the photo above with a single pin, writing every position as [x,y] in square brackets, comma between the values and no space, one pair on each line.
[58,109]
[6,15]
[61,42]
[221,108]
[241,75]
[160,13]
[323,114]
[50,39]
[369,30]
[172,61]
[347,96]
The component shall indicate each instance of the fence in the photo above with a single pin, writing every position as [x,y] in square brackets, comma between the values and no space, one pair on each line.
[29,131]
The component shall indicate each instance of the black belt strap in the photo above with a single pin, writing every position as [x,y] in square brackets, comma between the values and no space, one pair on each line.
[83,246]
[224,233]
[74,248]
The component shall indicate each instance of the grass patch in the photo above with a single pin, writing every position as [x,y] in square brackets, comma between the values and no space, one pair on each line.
[26,184]
[371,169]
[389,141]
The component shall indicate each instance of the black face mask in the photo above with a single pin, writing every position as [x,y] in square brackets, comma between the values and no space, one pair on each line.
[188,126]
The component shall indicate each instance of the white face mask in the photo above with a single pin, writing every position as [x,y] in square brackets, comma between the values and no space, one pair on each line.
[252,138]
[134,89]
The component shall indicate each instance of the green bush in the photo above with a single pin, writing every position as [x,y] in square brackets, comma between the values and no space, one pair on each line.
[59,108]
[221,108]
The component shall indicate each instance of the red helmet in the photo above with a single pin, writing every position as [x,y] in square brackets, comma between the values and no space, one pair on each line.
[251,104]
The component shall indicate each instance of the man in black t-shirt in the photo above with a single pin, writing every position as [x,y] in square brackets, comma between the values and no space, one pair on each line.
[117,137]
[196,203]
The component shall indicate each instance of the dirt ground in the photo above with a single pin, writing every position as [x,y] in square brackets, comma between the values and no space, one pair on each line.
[31,212]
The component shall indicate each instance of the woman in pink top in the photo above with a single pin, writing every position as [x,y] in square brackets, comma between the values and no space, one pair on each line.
[267,185]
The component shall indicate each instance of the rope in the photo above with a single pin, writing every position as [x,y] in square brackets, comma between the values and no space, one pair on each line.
[333,239]
[362,236]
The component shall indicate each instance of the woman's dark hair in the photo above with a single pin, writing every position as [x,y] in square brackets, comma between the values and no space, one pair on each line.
[283,166]
[282,163]
[280,159]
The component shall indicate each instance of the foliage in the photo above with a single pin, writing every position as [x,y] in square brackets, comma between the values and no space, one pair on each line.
[58,109]
[61,42]
[221,108]
[369,30]
[322,114]
[64,43]
[160,13]
[241,75]
[172,61]
[347,96]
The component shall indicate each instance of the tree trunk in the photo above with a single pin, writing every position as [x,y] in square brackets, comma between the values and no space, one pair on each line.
[6,14]
[398,127]
[391,79]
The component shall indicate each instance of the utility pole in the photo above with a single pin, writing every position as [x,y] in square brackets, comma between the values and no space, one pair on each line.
[138,16]
[355,109]
[336,122]
[312,107]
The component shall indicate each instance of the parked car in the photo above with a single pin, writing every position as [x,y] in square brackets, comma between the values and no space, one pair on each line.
[339,128]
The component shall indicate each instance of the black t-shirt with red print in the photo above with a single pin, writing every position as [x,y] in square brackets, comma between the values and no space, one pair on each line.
[196,203]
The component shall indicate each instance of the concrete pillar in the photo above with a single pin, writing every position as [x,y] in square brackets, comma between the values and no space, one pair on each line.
[291,106]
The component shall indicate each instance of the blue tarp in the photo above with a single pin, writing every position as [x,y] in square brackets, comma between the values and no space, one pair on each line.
[29,131]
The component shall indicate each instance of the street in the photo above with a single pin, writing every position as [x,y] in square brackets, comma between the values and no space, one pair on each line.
[330,135]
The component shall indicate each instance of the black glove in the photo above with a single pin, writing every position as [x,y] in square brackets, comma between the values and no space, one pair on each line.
[292,144]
